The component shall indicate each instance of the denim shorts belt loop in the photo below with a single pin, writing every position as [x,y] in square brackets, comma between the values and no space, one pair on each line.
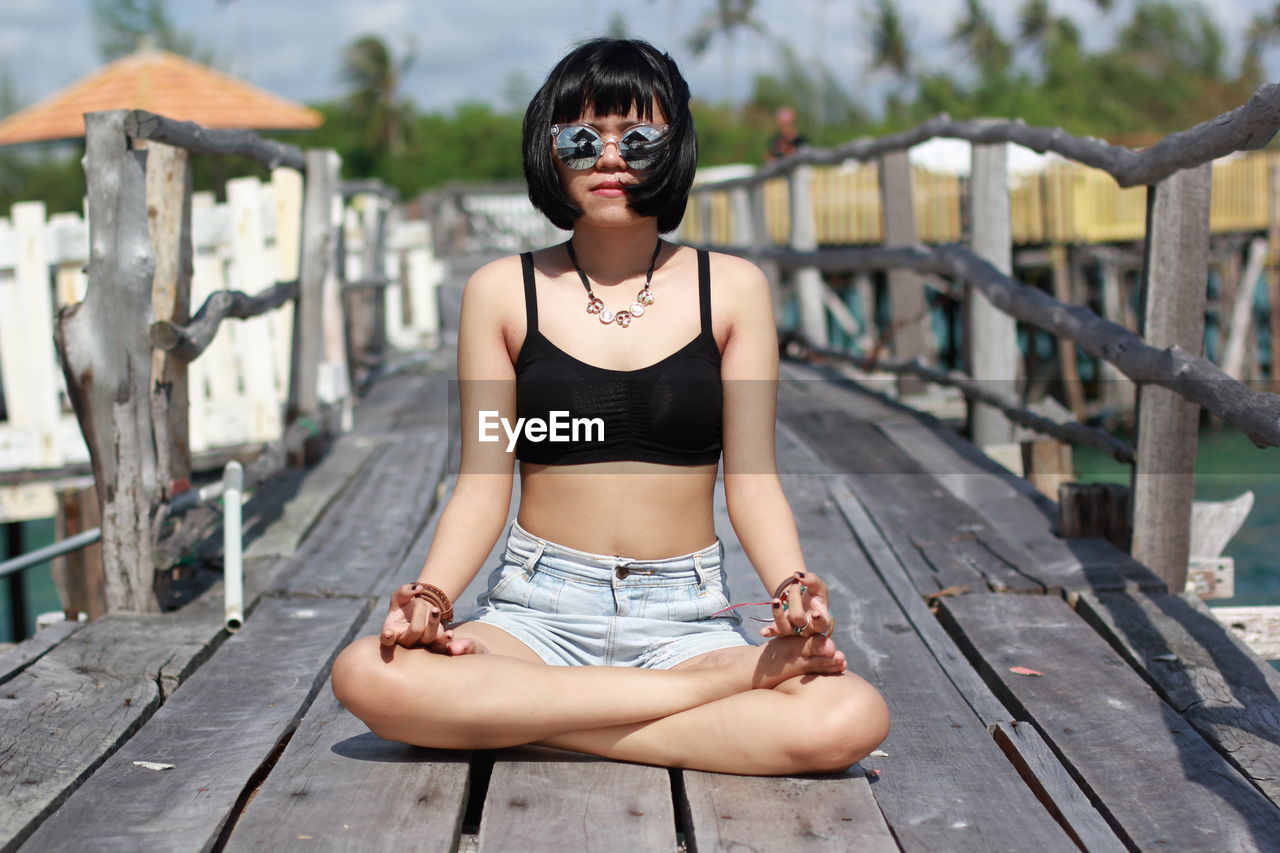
[573,607]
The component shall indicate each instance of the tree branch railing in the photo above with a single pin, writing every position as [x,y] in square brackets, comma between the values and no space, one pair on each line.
[1246,128]
[126,375]
[1068,431]
[1255,413]
[140,124]
[189,341]
[1175,380]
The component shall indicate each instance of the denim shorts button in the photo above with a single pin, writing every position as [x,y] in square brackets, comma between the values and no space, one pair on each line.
[623,572]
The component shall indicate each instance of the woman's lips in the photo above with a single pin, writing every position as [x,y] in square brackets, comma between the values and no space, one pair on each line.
[609,189]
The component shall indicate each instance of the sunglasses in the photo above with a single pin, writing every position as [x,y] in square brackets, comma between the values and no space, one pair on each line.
[580,146]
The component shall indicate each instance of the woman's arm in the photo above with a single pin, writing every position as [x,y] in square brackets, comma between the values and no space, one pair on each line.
[477,510]
[758,509]
[757,506]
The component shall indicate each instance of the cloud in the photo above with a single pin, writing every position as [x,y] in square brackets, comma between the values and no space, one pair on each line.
[469,50]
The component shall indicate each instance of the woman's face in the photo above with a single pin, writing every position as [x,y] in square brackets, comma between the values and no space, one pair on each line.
[599,190]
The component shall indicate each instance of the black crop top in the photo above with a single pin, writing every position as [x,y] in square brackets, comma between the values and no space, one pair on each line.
[667,412]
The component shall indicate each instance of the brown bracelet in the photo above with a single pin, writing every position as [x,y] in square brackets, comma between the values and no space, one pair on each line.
[433,594]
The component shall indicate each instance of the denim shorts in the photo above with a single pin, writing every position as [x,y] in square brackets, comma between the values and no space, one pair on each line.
[575,608]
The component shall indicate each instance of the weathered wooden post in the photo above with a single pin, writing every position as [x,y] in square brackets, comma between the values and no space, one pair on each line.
[168,177]
[804,238]
[992,334]
[705,230]
[1240,333]
[1061,263]
[743,224]
[319,244]
[78,575]
[1273,270]
[1173,296]
[909,312]
[866,295]
[1117,389]
[760,239]
[105,348]
[374,271]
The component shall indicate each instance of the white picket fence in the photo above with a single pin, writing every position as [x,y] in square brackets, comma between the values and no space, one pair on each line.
[238,386]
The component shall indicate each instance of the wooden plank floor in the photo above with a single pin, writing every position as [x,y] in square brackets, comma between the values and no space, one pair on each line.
[1116,746]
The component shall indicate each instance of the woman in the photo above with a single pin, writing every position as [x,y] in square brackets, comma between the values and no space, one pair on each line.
[607,643]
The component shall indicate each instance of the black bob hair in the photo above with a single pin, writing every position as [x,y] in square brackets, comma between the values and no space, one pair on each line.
[609,77]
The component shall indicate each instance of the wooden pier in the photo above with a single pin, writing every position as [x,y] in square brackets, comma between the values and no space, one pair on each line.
[1047,694]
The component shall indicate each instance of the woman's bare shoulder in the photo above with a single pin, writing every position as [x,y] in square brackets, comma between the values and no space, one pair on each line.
[496,279]
[504,277]
[735,273]
[738,285]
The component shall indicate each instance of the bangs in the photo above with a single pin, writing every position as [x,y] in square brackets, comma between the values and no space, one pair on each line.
[620,79]
[611,77]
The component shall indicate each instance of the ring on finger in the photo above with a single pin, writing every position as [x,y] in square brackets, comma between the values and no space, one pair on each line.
[808,623]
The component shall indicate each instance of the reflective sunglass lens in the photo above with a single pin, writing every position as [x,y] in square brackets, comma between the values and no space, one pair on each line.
[638,146]
[580,147]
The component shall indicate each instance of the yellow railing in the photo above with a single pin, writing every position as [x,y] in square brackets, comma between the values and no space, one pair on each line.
[1067,203]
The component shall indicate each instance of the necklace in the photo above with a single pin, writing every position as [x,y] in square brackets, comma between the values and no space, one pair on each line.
[594,304]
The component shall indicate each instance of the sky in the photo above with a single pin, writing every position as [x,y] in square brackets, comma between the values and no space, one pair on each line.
[498,50]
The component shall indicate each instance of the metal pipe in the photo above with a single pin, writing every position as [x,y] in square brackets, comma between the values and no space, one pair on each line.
[232,565]
[57,549]
[194,497]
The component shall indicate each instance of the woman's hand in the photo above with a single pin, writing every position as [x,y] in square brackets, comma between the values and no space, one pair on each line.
[806,612]
[414,623]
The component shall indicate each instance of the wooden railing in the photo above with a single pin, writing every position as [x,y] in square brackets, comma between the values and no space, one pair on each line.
[126,347]
[486,218]
[1064,203]
[1175,381]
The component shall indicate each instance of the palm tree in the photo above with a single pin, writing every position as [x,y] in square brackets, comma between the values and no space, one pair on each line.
[1034,21]
[725,20]
[1262,31]
[976,32]
[889,49]
[373,77]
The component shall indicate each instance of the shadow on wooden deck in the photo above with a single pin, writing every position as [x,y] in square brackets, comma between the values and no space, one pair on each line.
[1148,725]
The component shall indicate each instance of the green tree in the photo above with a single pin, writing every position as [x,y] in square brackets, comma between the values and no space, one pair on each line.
[725,20]
[47,172]
[977,34]
[891,51]
[824,106]
[373,76]
[1261,32]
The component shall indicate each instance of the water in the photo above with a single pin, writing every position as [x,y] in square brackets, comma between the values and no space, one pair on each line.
[41,594]
[1227,464]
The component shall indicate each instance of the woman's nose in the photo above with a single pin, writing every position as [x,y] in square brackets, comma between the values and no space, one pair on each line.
[611,153]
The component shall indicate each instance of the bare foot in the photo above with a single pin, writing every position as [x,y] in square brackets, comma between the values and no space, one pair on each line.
[772,663]
[787,657]
[467,646]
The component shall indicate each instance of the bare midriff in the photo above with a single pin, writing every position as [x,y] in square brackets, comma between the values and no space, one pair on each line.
[628,509]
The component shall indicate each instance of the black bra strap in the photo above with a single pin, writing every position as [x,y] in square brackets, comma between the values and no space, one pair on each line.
[704,288]
[530,293]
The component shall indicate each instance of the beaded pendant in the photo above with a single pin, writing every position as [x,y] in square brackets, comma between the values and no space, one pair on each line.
[624,317]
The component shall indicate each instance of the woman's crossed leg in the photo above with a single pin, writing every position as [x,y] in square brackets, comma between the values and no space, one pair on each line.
[781,708]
